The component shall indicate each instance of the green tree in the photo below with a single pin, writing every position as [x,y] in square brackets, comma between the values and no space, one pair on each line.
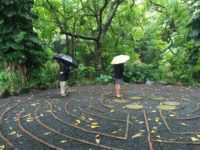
[20,48]
[85,20]
[186,42]
[154,31]
[194,38]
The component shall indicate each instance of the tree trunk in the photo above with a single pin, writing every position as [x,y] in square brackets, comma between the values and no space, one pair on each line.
[15,68]
[23,73]
[70,45]
[98,51]
[10,67]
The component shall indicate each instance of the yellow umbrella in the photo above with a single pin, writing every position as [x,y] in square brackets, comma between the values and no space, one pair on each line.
[120,59]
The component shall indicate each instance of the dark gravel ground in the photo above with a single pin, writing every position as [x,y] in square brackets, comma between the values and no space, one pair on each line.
[43,120]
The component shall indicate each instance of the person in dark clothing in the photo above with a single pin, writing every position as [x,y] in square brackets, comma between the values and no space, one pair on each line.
[118,74]
[63,77]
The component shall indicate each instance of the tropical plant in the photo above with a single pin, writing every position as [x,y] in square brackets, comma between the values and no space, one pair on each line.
[194,37]
[104,79]
[11,82]
[83,74]
[141,73]
[20,48]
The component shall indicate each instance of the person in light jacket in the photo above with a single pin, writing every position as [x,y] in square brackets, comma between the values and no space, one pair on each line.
[63,78]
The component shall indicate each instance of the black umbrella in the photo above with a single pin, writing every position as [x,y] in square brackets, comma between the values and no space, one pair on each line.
[66,59]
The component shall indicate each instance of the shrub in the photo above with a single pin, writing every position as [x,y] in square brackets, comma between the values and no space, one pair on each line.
[44,77]
[104,79]
[83,74]
[50,73]
[141,72]
[10,81]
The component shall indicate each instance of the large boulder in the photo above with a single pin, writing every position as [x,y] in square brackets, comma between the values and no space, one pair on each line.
[4,93]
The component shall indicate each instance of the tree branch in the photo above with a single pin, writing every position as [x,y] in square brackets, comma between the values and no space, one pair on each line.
[170,22]
[63,31]
[54,15]
[96,12]
[111,14]
[159,6]
[93,11]
[101,16]
[79,36]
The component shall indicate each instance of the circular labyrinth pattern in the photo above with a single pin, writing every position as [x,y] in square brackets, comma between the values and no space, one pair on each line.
[91,118]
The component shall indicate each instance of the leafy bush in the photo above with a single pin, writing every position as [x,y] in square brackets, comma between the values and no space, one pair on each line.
[141,72]
[35,79]
[44,77]
[104,79]
[50,72]
[10,81]
[4,80]
[83,74]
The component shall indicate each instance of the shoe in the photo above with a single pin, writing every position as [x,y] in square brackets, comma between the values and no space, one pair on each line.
[68,91]
[118,96]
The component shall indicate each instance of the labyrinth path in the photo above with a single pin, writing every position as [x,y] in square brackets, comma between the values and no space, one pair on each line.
[91,118]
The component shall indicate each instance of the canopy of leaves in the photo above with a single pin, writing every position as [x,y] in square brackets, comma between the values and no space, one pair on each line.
[160,36]
[18,41]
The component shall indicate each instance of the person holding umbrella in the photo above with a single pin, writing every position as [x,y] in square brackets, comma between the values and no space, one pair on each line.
[65,62]
[118,63]
[63,78]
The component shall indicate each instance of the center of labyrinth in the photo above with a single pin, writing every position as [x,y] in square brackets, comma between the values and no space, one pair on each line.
[91,118]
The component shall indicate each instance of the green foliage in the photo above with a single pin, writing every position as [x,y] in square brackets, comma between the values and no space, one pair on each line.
[10,81]
[141,72]
[4,79]
[162,37]
[138,30]
[84,74]
[35,79]
[194,22]
[50,76]
[19,43]
[104,79]
[46,76]
[193,51]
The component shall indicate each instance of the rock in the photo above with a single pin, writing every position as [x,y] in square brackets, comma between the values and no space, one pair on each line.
[149,83]
[163,82]
[4,93]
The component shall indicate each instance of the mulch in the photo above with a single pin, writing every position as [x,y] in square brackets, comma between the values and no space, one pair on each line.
[91,118]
